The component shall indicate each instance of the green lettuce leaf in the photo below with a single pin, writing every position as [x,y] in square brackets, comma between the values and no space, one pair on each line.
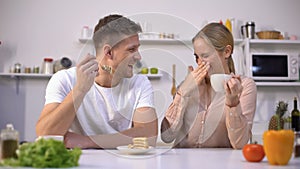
[44,153]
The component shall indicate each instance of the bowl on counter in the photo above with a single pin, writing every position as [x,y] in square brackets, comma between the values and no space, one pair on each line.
[268,34]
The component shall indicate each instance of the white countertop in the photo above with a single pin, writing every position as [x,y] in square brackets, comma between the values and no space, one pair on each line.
[175,159]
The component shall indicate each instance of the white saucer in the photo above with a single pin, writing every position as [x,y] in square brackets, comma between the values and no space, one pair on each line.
[55,137]
[134,151]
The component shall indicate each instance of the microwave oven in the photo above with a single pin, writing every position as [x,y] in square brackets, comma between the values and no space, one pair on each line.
[273,66]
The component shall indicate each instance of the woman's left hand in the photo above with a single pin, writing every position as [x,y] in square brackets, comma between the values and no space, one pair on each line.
[233,89]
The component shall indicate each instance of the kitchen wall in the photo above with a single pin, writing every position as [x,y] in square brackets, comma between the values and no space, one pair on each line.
[33,29]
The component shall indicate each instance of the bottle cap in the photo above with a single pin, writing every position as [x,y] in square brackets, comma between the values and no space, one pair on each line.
[48,59]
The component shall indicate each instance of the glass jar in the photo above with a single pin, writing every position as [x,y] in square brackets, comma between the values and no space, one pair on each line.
[85,32]
[17,68]
[9,142]
[36,69]
[47,66]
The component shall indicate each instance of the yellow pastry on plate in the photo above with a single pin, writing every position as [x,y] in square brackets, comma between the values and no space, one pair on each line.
[139,143]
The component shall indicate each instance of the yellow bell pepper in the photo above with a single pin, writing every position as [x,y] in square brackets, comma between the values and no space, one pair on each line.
[278,146]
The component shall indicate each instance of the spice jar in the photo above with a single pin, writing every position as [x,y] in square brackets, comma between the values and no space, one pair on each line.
[9,142]
[27,70]
[36,69]
[47,66]
[17,68]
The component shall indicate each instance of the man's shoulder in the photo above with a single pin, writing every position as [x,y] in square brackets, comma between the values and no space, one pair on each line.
[65,76]
[71,72]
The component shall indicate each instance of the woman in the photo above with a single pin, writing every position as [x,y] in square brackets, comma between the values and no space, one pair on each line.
[199,116]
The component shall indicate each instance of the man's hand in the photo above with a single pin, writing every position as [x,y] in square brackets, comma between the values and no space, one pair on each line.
[86,71]
[73,140]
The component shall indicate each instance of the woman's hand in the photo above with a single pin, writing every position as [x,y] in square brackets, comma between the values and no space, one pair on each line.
[86,71]
[200,72]
[233,89]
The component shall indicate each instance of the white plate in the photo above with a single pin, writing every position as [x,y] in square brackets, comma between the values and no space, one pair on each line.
[55,137]
[134,151]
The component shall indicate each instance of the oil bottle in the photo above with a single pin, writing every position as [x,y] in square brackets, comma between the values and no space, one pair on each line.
[295,117]
[9,142]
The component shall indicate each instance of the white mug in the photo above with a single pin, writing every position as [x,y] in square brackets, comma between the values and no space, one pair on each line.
[218,80]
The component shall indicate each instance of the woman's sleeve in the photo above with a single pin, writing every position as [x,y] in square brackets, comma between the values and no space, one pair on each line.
[239,119]
[173,119]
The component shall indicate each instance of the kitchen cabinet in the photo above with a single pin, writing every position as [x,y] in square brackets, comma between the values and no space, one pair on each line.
[269,93]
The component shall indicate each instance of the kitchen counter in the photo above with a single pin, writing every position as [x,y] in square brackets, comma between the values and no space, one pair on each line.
[175,159]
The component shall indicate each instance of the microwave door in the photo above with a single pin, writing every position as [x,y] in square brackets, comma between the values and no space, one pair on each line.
[269,67]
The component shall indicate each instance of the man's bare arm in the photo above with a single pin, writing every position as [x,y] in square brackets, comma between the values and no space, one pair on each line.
[56,118]
[145,125]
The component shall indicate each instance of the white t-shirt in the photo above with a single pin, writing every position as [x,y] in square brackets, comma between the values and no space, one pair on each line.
[103,110]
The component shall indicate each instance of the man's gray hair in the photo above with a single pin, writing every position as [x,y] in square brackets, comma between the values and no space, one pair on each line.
[114,28]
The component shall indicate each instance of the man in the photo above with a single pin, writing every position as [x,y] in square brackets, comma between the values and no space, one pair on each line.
[100,103]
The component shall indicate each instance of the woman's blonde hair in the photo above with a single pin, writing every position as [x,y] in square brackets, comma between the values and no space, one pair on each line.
[219,37]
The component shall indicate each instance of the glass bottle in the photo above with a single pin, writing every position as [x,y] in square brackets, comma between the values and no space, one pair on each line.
[85,32]
[9,142]
[47,66]
[17,68]
[295,117]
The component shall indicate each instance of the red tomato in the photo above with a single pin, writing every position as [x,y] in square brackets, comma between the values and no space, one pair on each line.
[253,152]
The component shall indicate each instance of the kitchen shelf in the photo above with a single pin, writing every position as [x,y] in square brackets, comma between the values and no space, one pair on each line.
[274,41]
[166,41]
[30,75]
[278,84]
[154,76]
[162,41]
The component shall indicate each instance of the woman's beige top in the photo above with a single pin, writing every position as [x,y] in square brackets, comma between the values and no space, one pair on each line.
[193,123]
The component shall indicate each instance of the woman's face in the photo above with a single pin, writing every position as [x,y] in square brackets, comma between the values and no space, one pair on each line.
[205,52]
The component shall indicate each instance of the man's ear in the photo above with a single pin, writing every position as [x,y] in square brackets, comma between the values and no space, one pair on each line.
[107,51]
[228,51]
